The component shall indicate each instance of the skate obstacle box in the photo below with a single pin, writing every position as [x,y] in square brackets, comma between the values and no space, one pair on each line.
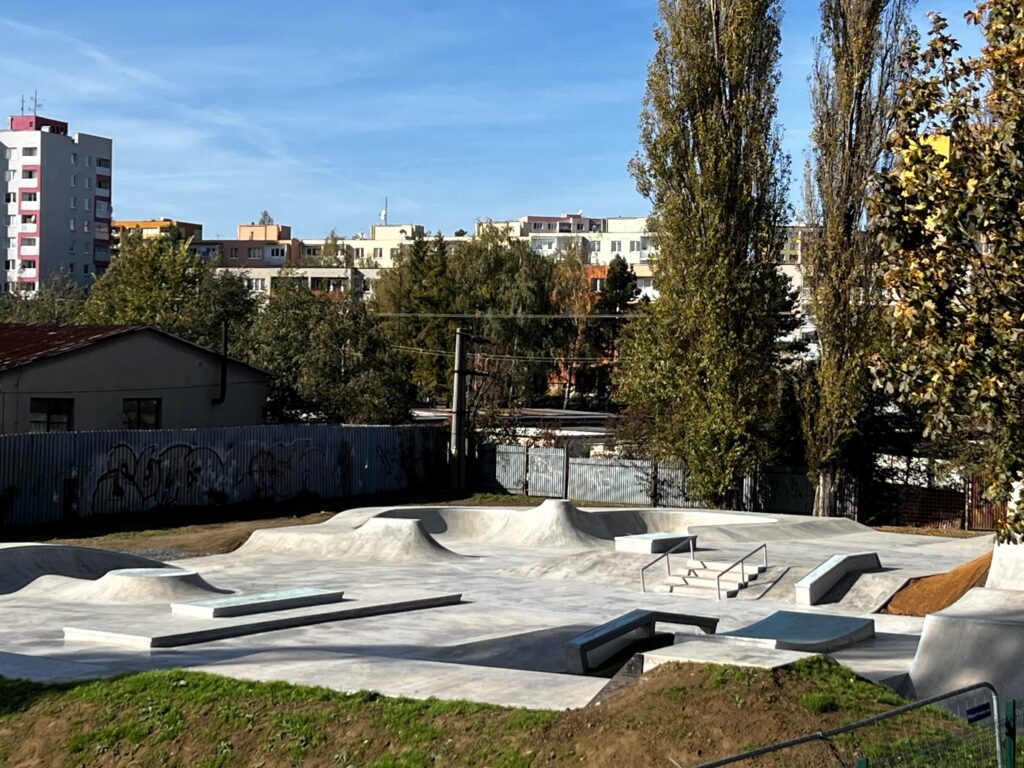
[589,650]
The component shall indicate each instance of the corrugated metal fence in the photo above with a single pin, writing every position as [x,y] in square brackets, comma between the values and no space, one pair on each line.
[536,471]
[45,478]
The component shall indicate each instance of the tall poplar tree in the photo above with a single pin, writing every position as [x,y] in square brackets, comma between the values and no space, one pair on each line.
[700,370]
[853,91]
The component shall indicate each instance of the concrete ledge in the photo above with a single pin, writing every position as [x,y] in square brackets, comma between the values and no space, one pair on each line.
[651,543]
[162,634]
[590,649]
[816,584]
[262,602]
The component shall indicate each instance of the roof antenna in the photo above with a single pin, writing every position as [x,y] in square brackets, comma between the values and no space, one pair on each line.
[36,103]
[384,213]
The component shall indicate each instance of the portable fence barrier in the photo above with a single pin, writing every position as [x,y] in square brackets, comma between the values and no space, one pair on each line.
[953,730]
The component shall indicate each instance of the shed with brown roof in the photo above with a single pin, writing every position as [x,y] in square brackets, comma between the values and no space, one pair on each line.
[62,378]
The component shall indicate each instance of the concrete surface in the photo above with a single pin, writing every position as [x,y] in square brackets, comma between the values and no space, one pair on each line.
[260,602]
[980,638]
[21,564]
[1007,569]
[504,644]
[651,543]
[808,632]
[815,585]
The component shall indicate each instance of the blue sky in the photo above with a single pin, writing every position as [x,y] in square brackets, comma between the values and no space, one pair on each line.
[454,110]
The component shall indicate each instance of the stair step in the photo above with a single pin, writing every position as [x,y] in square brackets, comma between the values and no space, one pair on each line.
[700,573]
[703,590]
[703,581]
[720,565]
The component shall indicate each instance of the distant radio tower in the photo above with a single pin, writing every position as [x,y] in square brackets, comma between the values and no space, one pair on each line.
[384,213]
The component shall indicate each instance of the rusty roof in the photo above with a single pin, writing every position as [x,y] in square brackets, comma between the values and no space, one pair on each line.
[23,343]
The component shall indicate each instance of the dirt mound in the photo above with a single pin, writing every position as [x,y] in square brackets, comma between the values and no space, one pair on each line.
[933,593]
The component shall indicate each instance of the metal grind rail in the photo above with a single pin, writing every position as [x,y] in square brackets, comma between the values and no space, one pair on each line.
[740,563]
[917,752]
[688,541]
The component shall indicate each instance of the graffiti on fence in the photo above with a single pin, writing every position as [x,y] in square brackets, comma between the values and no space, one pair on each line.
[186,475]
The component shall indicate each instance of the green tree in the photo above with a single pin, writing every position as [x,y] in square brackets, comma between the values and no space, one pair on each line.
[853,89]
[265,219]
[699,370]
[573,296]
[155,281]
[59,300]
[950,219]
[330,253]
[328,359]
[618,295]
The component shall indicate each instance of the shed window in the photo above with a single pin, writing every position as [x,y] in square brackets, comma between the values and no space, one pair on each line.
[141,413]
[52,414]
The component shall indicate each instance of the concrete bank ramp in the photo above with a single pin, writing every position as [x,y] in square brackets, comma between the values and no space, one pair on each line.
[22,564]
[128,585]
[979,638]
[801,529]
[806,632]
[1007,569]
[379,538]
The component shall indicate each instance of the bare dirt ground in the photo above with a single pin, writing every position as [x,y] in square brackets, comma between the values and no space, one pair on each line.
[933,593]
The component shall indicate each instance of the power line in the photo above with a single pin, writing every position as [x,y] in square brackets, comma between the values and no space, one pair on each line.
[508,358]
[504,316]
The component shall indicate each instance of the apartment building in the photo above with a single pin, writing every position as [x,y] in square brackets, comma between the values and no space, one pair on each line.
[256,246]
[158,228]
[56,191]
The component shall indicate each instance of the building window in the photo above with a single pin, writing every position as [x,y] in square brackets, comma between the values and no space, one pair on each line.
[85,269]
[102,162]
[140,413]
[88,161]
[28,264]
[378,253]
[277,253]
[394,253]
[50,414]
[232,253]
[537,225]
[358,253]
[88,182]
[86,204]
[74,181]
[29,197]
[616,246]
[10,197]
[74,158]
[85,225]
[74,203]
[29,152]
[255,253]
[72,225]
[595,247]
[29,242]
[28,174]
[634,245]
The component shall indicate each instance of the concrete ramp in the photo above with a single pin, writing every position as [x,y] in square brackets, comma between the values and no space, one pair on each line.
[555,523]
[140,585]
[379,538]
[21,564]
[979,638]
[1007,569]
[806,632]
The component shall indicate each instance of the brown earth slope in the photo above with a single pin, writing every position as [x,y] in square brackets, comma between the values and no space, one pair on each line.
[933,593]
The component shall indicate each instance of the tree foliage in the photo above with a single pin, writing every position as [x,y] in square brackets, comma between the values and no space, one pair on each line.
[499,280]
[328,359]
[853,90]
[59,300]
[951,218]
[699,370]
[572,295]
[265,219]
[160,282]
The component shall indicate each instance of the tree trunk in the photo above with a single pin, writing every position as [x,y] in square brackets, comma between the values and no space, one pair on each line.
[826,495]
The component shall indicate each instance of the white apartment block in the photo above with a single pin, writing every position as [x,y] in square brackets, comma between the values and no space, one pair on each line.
[380,249]
[56,191]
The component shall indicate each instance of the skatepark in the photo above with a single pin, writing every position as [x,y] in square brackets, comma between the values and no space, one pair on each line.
[534,607]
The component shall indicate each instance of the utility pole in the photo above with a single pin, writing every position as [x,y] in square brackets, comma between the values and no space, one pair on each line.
[458,438]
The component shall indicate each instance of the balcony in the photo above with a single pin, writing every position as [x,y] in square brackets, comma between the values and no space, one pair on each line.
[28,228]
[30,205]
[27,251]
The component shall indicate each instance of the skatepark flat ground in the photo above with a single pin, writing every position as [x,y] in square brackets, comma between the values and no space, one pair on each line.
[503,644]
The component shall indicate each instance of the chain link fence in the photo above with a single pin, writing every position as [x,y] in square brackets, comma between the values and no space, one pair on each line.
[958,729]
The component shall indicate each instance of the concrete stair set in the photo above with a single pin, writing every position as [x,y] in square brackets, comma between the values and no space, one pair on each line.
[699,578]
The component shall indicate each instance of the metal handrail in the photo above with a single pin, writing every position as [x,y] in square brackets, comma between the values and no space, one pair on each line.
[690,539]
[825,735]
[740,562]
